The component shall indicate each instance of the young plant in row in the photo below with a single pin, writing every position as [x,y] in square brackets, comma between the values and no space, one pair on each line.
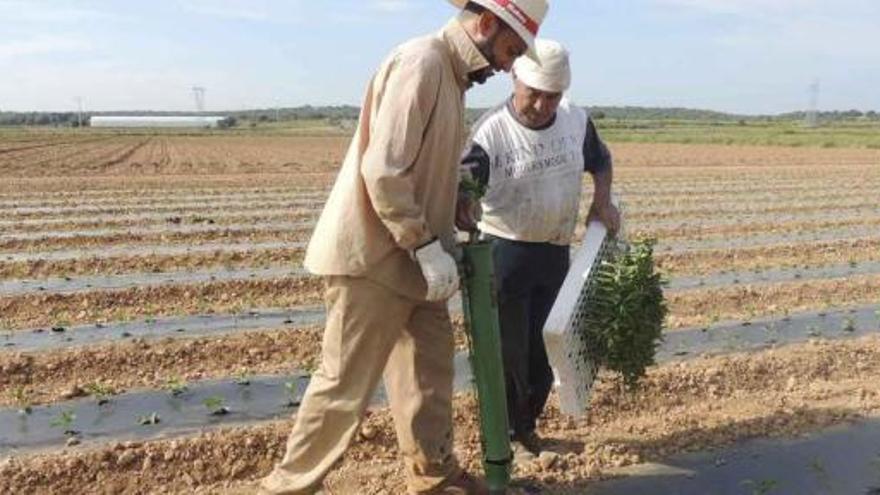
[149,419]
[176,386]
[215,405]
[100,392]
[242,378]
[65,420]
[625,316]
[293,398]
[21,398]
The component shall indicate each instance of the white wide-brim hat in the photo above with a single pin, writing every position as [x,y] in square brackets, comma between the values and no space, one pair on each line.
[552,73]
[523,16]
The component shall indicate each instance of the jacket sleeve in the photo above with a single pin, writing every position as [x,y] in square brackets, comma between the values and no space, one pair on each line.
[475,164]
[407,95]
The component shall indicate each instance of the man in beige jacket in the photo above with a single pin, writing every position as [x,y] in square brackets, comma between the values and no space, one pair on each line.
[382,244]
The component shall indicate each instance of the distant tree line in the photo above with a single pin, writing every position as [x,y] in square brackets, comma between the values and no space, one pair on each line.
[59,119]
[337,114]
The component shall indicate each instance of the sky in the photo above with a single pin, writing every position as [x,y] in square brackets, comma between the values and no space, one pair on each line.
[739,56]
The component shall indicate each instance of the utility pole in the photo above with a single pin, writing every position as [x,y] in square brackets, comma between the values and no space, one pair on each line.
[812,117]
[199,95]
[79,111]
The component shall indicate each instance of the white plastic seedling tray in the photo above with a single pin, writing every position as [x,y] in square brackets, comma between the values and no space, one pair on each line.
[571,354]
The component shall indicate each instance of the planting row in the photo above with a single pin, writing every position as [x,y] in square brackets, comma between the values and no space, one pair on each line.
[259,233]
[708,403]
[212,217]
[250,397]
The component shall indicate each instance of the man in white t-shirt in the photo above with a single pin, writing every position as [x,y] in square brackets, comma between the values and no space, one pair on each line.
[529,154]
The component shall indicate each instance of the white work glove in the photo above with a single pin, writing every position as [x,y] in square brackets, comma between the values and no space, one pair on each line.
[439,270]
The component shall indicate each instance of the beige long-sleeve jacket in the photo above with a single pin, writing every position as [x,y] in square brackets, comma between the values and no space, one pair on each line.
[397,186]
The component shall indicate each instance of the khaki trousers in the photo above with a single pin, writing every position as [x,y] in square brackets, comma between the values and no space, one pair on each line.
[370,329]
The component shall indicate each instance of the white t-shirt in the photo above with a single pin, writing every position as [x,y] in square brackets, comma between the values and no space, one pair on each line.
[533,188]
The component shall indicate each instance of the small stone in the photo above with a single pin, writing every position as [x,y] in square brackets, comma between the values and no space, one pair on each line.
[125,458]
[73,392]
[72,441]
[188,479]
[548,459]
[368,432]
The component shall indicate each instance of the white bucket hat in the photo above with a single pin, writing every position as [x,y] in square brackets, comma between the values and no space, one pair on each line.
[523,16]
[552,73]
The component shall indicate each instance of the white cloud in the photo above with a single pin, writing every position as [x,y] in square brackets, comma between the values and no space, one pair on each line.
[133,85]
[392,6]
[845,29]
[247,10]
[42,45]
[43,12]
[748,8]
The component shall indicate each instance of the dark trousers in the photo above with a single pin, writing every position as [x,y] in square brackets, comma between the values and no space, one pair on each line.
[529,276]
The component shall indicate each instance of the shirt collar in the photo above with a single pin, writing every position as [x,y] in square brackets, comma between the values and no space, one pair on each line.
[466,57]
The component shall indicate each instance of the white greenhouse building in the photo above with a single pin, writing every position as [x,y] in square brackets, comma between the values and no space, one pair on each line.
[191,121]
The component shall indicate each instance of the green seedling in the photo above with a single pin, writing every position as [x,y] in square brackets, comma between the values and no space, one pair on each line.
[293,399]
[200,219]
[149,419]
[65,420]
[877,314]
[472,188]
[814,331]
[626,321]
[215,406]
[762,487]
[242,379]
[100,392]
[21,398]
[822,476]
[176,386]
[849,324]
